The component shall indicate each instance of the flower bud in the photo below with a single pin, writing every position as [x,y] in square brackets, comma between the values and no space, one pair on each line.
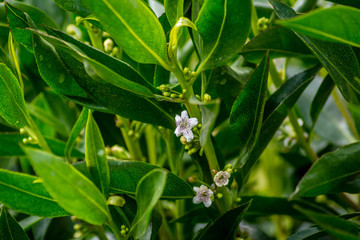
[192,151]
[183,140]
[106,35]
[166,94]
[22,131]
[108,45]
[71,29]
[192,179]
[115,51]
[116,201]
[173,95]
[207,97]
[163,87]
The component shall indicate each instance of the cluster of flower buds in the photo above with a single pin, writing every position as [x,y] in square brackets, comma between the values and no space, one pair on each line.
[27,140]
[83,228]
[189,75]
[263,24]
[167,92]
[124,230]
[118,152]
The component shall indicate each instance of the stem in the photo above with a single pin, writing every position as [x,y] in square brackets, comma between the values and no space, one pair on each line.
[37,134]
[339,103]
[165,226]
[171,153]
[115,229]
[95,38]
[150,137]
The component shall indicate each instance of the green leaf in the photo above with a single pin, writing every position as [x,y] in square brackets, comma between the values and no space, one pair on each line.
[117,100]
[337,227]
[31,198]
[10,228]
[148,193]
[338,23]
[10,146]
[130,23]
[280,41]
[173,10]
[219,24]
[74,6]
[338,59]
[320,98]
[276,109]
[71,189]
[247,112]
[328,171]
[76,130]
[12,103]
[352,3]
[95,156]
[225,226]
[125,175]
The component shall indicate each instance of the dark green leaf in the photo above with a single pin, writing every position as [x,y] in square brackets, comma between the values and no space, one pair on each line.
[352,3]
[338,59]
[10,147]
[337,227]
[74,6]
[277,108]
[225,226]
[12,103]
[173,10]
[78,127]
[148,193]
[31,198]
[321,97]
[329,170]
[228,84]
[247,112]
[95,156]
[280,41]
[10,228]
[308,234]
[129,24]
[71,189]
[30,221]
[343,27]
[125,175]
[219,24]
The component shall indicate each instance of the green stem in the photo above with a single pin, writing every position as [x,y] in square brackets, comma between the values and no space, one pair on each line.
[171,152]
[165,226]
[340,105]
[115,229]
[95,38]
[150,137]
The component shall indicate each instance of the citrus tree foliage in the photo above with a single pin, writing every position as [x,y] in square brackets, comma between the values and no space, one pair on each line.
[179,119]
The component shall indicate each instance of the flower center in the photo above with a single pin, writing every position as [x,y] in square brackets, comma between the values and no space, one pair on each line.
[184,124]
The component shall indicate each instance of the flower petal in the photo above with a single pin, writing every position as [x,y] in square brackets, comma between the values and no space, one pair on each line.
[192,122]
[196,189]
[178,132]
[177,120]
[208,202]
[184,114]
[188,134]
[196,200]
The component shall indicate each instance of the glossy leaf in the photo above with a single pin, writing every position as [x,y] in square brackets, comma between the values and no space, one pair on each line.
[31,198]
[173,10]
[129,24]
[10,146]
[338,59]
[74,6]
[95,156]
[122,102]
[343,27]
[125,175]
[351,3]
[332,168]
[10,228]
[321,97]
[76,130]
[226,225]
[218,25]
[337,227]
[12,103]
[148,193]
[71,189]
[247,112]
[280,41]
[276,110]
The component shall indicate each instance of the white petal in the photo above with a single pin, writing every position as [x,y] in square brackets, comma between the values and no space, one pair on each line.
[196,200]
[177,119]
[184,114]
[178,132]
[196,189]
[210,193]
[204,188]
[207,203]
[193,122]
[188,134]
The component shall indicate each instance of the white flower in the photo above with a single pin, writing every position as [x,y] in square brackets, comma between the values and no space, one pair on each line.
[203,194]
[184,124]
[221,178]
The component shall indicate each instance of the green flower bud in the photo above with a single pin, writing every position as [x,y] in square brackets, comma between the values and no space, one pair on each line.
[108,45]
[183,140]
[192,151]
[207,97]
[115,51]
[130,133]
[166,94]
[181,96]
[71,29]
[173,95]
[116,201]
[123,227]
[78,226]
[123,233]
[184,91]
[106,35]
[163,87]
[219,195]
[22,131]
[25,141]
